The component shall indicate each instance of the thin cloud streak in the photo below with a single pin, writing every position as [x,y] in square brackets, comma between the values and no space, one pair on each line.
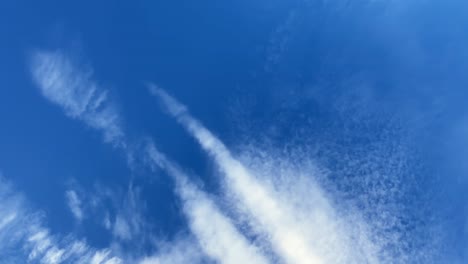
[218,237]
[74,204]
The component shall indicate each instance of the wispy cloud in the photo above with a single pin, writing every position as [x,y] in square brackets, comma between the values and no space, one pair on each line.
[311,234]
[71,86]
[74,204]
[287,238]
[25,238]
[121,211]
[76,92]
[129,222]
[180,251]
[218,237]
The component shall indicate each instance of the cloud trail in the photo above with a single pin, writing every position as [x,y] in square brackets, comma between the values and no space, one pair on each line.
[218,236]
[286,238]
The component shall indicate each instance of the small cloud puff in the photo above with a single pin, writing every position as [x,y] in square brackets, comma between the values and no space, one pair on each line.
[74,204]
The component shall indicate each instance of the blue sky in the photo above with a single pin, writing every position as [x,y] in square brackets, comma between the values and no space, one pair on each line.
[225,132]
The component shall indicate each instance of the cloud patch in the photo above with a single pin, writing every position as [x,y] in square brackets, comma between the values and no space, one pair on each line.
[24,236]
[71,86]
[74,204]
[180,251]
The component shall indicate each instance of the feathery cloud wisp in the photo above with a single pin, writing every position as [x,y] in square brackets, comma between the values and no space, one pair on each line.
[66,84]
[24,237]
[74,204]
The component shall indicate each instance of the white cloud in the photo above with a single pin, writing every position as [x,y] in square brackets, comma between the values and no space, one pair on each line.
[130,223]
[24,237]
[74,204]
[286,237]
[100,257]
[124,214]
[180,251]
[72,87]
[53,255]
[113,260]
[64,84]
[311,234]
[122,228]
[7,220]
[217,235]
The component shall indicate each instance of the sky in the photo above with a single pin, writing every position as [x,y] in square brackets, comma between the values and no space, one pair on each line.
[263,132]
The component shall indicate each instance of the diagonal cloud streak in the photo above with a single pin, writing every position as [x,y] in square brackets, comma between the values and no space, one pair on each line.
[218,236]
[287,238]
[74,204]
